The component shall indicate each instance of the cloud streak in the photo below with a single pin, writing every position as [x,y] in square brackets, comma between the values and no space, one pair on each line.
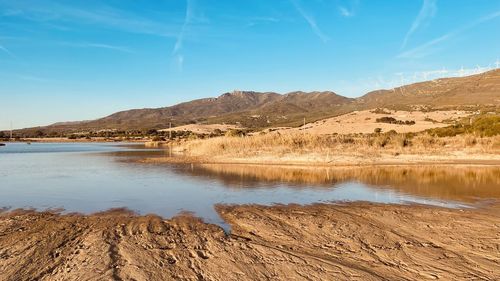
[7,51]
[188,18]
[348,12]
[260,20]
[424,49]
[97,46]
[345,12]
[311,21]
[32,78]
[427,12]
[105,16]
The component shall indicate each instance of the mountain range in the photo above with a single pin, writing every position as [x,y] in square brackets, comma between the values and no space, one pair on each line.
[267,109]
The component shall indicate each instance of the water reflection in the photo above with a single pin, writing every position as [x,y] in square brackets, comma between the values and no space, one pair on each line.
[450,182]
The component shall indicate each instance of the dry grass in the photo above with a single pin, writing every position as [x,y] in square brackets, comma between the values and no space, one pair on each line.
[370,145]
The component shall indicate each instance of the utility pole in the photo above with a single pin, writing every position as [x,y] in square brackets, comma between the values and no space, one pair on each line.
[170,131]
[304,127]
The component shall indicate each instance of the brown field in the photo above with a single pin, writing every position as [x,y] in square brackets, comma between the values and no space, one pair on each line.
[365,122]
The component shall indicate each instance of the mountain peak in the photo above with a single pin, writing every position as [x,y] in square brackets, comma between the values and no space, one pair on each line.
[237,93]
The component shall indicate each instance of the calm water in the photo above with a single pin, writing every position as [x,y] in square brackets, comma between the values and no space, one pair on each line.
[95,177]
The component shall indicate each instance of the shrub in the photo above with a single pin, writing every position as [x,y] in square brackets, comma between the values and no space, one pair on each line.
[485,126]
[402,140]
[380,111]
[392,120]
[470,140]
[385,119]
[392,133]
[158,138]
[382,141]
[377,130]
[235,133]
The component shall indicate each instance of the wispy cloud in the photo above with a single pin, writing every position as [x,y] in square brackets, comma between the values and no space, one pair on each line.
[105,16]
[7,51]
[349,9]
[179,57]
[345,12]
[11,12]
[259,20]
[97,46]
[32,78]
[310,20]
[427,12]
[425,49]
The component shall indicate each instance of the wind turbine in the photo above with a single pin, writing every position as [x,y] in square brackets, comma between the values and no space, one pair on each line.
[478,69]
[425,74]
[443,71]
[461,72]
[402,81]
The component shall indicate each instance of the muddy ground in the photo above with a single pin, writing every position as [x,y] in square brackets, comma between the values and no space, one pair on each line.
[358,241]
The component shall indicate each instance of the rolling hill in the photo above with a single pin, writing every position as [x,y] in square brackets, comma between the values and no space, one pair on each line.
[231,107]
[481,89]
[259,110]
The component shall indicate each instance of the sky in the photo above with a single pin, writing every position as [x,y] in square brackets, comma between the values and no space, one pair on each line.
[66,60]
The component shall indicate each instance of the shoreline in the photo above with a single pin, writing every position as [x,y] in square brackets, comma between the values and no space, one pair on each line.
[413,160]
[66,140]
[359,240]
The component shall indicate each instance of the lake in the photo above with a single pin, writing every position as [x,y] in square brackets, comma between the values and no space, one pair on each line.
[92,177]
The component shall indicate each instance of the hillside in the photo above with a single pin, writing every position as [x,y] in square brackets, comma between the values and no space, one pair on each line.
[231,107]
[481,89]
[269,109]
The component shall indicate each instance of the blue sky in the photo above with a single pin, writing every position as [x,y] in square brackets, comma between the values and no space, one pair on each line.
[64,60]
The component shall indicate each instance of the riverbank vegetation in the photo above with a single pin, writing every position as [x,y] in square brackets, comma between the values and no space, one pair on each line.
[479,136]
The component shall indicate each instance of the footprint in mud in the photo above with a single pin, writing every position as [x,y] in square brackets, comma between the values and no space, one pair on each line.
[171,260]
[202,255]
[199,253]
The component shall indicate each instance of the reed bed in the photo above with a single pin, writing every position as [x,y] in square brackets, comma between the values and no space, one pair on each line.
[371,144]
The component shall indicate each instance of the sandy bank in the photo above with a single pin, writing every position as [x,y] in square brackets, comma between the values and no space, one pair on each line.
[338,160]
[358,241]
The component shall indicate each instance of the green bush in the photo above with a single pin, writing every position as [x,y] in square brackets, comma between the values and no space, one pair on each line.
[391,120]
[484,125]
